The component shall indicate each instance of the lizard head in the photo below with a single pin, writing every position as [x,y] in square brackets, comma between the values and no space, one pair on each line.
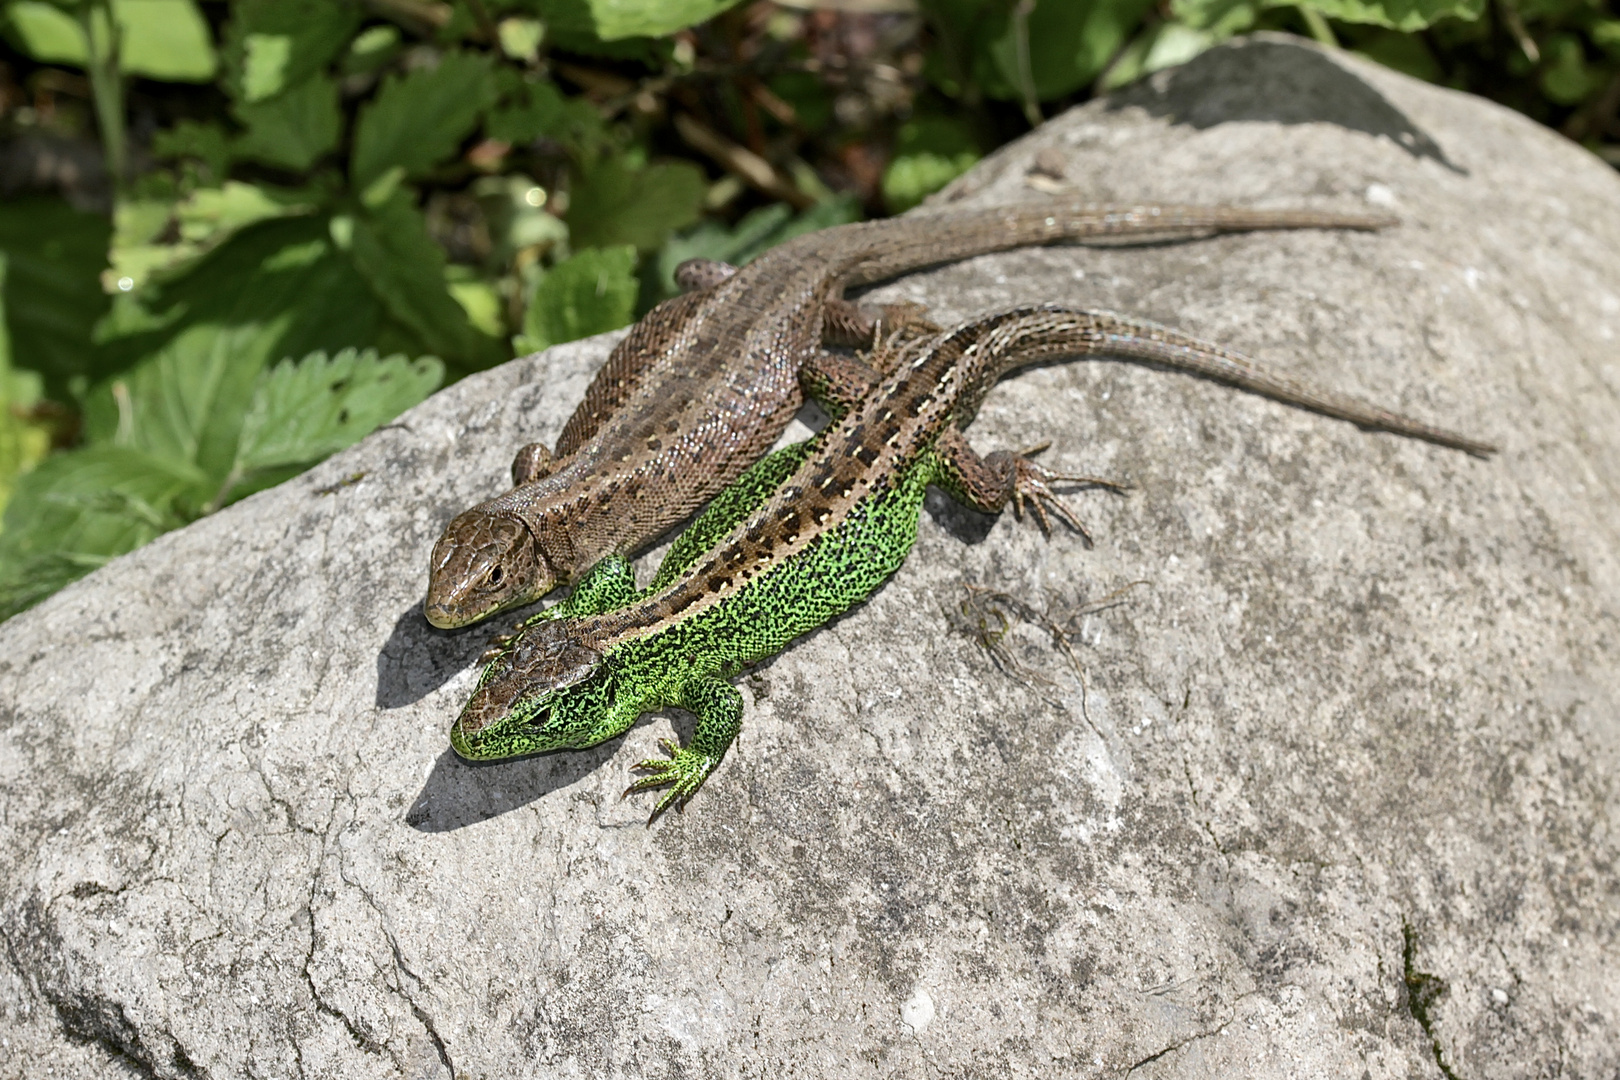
[544,690]
[485,562]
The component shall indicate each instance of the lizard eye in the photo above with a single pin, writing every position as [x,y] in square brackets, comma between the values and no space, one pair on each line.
[497,574]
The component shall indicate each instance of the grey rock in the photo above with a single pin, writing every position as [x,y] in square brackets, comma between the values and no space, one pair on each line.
[1335,797]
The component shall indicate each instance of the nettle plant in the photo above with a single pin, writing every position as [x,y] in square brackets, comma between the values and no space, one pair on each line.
[314,212]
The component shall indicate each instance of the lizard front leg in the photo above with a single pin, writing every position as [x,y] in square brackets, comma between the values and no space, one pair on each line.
[532,462]
[844,322]
[719,709]
[988,483]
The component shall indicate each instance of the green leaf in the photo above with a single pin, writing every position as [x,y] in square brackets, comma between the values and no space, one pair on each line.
[78,509]
[1407,15]
[204,141]
[52,293]
[591,293]
[520,38]
[1163,45]
[616,203]
[46,32]
[531,109]
[1067,44]
[371,49]
[211,214]
[930,152]
[611,20]
[1220,18]
[1403,52]
[165,39]
[160,39]
[294,128]
[405,270]
[1566,77]
[144,244]
[302,412]
[23,441]
[479,297]
[271,45]
[275,289]
[419,119]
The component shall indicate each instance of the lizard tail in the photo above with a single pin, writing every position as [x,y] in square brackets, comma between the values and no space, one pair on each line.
[1040,333]
[885,249]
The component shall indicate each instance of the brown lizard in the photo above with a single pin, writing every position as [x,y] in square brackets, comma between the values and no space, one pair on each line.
[705,383]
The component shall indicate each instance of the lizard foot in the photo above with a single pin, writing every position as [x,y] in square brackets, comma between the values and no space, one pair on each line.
[684,770]
[1034,482]
[496,646]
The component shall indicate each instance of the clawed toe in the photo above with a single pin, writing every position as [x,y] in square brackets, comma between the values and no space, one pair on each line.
[1033,482]
[684,771]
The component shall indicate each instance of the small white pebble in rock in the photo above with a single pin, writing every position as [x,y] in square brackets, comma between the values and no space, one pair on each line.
[1499,995]
[918,1011]
[1380,195]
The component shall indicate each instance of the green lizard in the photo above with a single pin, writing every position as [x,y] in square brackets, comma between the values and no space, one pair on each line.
[808,532]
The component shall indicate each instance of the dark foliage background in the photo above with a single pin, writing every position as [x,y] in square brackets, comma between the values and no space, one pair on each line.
[237,236]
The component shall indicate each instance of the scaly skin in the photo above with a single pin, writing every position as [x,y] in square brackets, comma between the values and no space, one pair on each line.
[804,535]
[706,383]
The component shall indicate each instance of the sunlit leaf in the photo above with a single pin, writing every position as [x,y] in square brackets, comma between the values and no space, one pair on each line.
[1408,15]
[304,411]
[46,32]
[145,244]
[614,19]
[159,39]
[271,45]
[930,152]
[371,49]
[1221,18]
[165,39]
[210,212]
[520,38]
[276,289]
[419,119]
[591,293]
[479,298]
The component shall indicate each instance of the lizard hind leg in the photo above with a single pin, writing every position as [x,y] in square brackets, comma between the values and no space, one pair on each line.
[719,709]
[989,483]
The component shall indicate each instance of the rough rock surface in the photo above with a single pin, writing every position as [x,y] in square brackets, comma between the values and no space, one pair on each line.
[1339,797]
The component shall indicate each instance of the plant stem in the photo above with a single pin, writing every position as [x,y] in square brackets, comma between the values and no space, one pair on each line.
[101,35]
[1317,24]
[1026,72]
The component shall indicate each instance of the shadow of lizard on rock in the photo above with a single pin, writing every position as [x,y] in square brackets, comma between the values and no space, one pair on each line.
[418,658]
[1281,82]
[460,793]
